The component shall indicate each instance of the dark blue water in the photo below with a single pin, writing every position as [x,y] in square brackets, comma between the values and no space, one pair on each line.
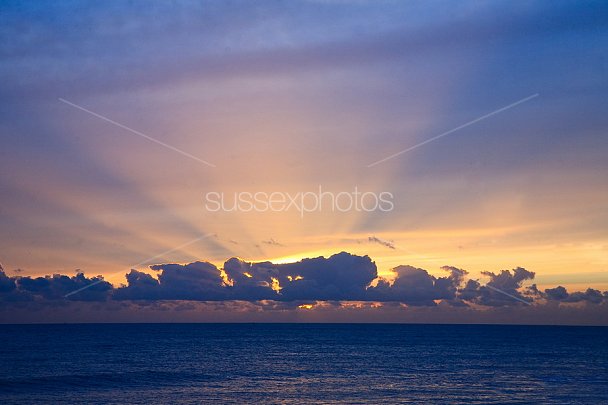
[303,363]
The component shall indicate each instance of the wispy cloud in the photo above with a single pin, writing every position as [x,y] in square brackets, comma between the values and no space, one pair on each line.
[272,242]
[388,244]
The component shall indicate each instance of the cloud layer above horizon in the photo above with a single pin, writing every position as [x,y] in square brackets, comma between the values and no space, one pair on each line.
[341,277]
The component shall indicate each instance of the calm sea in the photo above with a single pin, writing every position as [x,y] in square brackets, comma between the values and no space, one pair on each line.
[303,363]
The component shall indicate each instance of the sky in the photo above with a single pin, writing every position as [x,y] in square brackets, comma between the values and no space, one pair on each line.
[482,124]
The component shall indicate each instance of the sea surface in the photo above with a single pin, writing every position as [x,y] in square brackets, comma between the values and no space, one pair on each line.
[303,363]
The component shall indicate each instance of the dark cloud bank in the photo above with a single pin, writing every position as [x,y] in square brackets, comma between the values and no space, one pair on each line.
[343,287]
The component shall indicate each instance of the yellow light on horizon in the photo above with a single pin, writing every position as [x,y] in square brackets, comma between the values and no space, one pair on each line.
[294,258]
[287,259]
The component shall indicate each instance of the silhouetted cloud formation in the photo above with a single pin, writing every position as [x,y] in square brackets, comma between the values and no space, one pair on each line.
[53,287]
[341,277]
[504,288]
[416,287]
[590,295]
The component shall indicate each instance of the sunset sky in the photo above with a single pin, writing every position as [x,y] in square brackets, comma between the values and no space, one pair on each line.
[118,118]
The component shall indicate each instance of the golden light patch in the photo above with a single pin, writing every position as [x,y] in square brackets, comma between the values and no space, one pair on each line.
[275,285]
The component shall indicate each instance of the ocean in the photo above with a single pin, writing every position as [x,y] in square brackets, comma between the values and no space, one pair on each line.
[303,363]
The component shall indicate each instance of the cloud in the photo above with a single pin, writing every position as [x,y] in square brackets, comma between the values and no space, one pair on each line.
[416,287]
[561,294]
[558,293]
[141,286]
[251,281]
[342,277]
[388,244]
[53,287]
[199,281]
[503,289]
[7,284]
[272,242]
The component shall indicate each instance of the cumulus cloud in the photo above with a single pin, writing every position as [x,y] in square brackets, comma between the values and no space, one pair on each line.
[416,287]
[342,276]
[503,289]
[53,287]
[200,281]
[7,284]
[339,278]
[561,294]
